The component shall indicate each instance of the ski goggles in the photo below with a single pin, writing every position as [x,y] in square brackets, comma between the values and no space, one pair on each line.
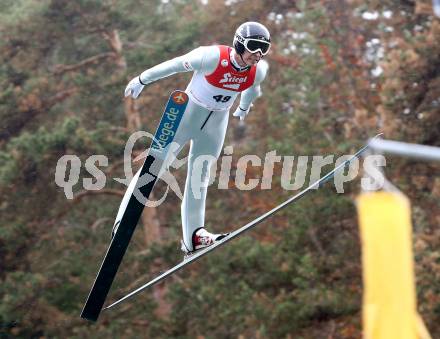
[254,45]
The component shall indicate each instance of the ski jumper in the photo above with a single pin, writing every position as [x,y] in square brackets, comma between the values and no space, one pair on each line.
[215,85]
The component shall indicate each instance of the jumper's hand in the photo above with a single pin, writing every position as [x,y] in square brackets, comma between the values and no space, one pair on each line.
[241,113]
[134,88]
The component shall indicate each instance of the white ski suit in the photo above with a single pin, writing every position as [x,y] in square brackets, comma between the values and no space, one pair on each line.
[215,84]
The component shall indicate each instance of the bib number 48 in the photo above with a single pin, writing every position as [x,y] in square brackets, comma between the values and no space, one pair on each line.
[221,98]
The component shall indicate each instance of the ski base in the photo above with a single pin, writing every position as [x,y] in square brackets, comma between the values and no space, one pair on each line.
[199,254]
[130,214]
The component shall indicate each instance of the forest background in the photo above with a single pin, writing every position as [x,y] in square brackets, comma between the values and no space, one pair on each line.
[340,72]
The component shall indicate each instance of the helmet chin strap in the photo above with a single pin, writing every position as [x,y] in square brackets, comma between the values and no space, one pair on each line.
[241,57]
[240,68]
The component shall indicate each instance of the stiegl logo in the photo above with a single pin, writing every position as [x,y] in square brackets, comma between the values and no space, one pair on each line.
[231,81]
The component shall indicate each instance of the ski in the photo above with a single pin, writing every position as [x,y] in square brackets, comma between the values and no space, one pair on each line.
[197,255]
[131,207]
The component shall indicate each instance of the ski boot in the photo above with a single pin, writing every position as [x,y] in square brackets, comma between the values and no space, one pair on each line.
[201,239]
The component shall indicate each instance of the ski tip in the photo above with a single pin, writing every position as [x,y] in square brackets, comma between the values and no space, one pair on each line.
[90,312]
[373,139]
[111,305]
[377,136]
[92,319]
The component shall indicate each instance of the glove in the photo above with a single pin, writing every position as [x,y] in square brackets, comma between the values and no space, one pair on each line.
[134,87]
[241,113]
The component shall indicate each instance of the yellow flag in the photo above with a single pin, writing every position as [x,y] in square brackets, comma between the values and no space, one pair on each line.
[389,300]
